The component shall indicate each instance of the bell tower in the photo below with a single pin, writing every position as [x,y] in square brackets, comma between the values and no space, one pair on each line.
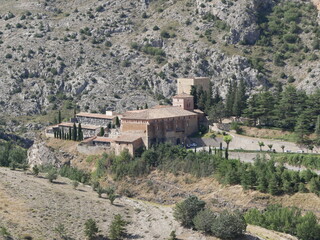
[183,100]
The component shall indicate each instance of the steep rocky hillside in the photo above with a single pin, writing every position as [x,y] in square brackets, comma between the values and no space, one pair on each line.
[120,54]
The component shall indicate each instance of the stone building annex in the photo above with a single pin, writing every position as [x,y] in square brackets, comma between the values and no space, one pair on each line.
[141,128]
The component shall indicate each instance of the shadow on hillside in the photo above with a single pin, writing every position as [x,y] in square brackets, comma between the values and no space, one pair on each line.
[249,237]
[134,236]
[81,190]
[59,183]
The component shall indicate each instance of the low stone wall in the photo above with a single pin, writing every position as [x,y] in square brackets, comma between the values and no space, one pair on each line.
[89,150]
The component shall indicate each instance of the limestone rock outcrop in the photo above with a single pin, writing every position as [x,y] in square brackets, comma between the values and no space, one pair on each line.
[40,154]
[240,15]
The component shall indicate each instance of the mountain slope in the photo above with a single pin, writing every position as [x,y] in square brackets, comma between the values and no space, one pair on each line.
[121,54]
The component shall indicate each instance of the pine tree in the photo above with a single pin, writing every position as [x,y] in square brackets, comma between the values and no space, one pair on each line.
[117,228]
[262,183]
[230,98]
[273,188]
[317,131]
[146,106]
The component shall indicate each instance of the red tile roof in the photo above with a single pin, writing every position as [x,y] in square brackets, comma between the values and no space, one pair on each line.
[157,113]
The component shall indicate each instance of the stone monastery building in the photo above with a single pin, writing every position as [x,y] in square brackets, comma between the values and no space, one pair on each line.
[142,128]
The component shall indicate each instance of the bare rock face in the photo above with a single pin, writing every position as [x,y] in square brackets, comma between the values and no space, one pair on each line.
[40,154]
[240,15]
[113,55]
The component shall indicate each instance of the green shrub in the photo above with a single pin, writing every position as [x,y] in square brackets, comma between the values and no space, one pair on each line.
[203,221]
[52,175]
[185,211]
[229,225]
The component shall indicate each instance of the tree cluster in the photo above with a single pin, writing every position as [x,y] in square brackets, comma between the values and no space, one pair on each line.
[263,175]
[285,219]
[12,155]
[191,213]
[75,133]
[288,109]
[117,229]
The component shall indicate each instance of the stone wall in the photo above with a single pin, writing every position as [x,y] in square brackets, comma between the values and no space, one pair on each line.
[90,150]
[94,121]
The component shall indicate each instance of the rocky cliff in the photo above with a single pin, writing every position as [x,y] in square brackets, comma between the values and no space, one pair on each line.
[117,55]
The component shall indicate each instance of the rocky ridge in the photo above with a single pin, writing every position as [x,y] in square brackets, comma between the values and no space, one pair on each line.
[117,55]
[55,51]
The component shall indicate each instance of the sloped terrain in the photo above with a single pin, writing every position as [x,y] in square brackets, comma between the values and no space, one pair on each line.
[32,207]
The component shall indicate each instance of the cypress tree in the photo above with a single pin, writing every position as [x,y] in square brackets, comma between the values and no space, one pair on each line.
[230,98]
[62,134]
[80,132]
[117,122]
[74,132]
[193,92]
[239,99]
[70,133]
[59,117]
[101,131]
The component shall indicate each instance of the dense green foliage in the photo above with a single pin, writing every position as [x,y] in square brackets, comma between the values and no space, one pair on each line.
[186,210]
[74,174]
[288,220]
[288,109]
[307,160]
[226,225]
[229,225]
[12,155]
[289,35]
[263,175]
